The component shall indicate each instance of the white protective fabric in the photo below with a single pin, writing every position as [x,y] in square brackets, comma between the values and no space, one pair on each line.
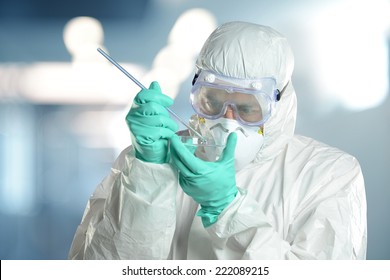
[299,199]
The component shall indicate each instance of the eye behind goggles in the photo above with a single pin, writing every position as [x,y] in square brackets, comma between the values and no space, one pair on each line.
[251,100]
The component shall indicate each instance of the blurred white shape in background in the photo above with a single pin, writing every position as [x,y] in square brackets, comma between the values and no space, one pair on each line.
[82,36]
[16,161]
[351,52]
[176,61]
[88,79]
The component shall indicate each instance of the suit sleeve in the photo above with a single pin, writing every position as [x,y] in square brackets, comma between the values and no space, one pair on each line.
[131,215]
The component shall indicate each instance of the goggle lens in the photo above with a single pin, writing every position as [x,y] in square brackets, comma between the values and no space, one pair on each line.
[213,102]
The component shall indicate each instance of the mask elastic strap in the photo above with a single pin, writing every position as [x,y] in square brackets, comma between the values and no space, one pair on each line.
[280,93]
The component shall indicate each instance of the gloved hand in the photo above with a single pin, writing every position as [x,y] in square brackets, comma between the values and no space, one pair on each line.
[211,184]
[150,125]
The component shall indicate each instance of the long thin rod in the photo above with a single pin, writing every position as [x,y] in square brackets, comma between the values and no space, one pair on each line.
[109,58]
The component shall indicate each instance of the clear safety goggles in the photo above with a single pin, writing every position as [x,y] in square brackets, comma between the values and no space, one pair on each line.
[251,100]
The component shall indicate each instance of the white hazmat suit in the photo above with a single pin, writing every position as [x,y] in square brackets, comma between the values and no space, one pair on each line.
[298,199]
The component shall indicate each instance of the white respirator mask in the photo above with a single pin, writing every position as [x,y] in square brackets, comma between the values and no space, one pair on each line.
[249,139]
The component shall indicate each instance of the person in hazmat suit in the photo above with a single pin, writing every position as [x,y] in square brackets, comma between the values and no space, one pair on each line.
[269,195]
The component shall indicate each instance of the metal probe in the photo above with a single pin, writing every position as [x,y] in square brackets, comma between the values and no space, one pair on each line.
[109,58]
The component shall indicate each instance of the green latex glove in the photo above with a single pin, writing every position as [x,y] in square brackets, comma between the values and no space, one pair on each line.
[211,184]
[150,124]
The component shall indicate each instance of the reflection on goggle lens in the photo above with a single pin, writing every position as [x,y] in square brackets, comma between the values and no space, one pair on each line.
[245,105]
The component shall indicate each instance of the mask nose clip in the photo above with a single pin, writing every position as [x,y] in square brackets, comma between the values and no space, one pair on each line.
[243,131]
[220,126]
[225,130]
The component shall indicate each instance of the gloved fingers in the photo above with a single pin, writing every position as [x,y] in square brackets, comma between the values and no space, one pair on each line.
[153,94]
[164,122]
[155,86]
[228,152]
[146,95]
[148,109]
[181,154]
[145,135]
[177,162]
[151,120]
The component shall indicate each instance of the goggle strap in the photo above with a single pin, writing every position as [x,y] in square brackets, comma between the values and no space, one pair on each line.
[280,93]
[195,78]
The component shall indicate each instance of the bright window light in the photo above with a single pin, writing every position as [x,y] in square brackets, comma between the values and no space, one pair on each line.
[351,52]
[176,61]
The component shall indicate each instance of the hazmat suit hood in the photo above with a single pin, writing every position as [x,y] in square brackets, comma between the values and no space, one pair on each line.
[250,51]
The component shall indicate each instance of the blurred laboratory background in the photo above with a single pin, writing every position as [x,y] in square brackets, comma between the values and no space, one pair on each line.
[62,105]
